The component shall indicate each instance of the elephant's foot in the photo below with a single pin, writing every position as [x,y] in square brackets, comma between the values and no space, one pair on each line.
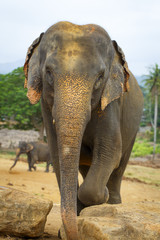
[91,196]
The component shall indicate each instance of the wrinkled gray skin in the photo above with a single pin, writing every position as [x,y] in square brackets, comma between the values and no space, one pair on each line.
[87,89]
[36,152]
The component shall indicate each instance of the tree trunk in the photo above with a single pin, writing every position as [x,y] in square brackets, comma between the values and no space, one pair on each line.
[155,123]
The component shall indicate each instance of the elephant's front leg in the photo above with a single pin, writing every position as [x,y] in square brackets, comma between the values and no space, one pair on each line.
[47,166]
[114,183]
[29,159]
[106,157]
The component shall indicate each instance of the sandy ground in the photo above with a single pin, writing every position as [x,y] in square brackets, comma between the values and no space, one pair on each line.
[44,185]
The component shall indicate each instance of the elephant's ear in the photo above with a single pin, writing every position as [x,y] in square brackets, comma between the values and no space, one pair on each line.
[31,70]
[29,147]
[117,83]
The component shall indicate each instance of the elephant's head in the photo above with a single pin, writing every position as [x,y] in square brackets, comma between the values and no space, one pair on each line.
[76,69]
[24,147]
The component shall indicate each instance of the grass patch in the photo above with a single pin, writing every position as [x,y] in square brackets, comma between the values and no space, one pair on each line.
[7,154]
[41,164]
[142,148]
[145,174]
[10,154]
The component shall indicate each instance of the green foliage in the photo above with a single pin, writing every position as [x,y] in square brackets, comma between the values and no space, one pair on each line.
[11,153]
[151,86]
[15,106]
[150,135]
[153,78]
[142,148]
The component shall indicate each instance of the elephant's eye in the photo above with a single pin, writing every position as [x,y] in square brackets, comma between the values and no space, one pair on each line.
[49,76]
[48,72]
[99,80]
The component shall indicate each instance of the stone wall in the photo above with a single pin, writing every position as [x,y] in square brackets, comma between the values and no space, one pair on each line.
[10,138]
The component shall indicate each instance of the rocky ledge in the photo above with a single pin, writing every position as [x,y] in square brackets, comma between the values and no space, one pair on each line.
[128,221]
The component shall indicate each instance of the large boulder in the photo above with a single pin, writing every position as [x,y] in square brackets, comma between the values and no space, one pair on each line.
[123,222]
[22,214]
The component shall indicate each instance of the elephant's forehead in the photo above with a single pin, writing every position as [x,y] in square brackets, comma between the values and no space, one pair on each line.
[77,56]
[68,40]
[71,49]
[67,48]
[73,54]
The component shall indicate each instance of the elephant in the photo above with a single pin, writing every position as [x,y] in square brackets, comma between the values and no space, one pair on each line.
[36,152]
[91,105]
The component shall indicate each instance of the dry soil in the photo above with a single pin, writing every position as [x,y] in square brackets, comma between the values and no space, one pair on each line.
[44,185]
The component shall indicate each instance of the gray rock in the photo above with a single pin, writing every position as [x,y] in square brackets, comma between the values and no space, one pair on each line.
[22,214]
[140,221]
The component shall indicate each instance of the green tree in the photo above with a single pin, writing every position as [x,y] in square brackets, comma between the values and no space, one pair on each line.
[15,106]
[152,84]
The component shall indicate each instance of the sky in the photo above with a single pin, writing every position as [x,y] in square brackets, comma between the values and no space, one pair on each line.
[135,25]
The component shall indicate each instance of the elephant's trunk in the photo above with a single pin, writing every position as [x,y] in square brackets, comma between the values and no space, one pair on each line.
[69,161]
[72,115]
[18,153]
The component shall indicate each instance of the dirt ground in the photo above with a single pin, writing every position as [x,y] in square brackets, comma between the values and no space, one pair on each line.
[44,185]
